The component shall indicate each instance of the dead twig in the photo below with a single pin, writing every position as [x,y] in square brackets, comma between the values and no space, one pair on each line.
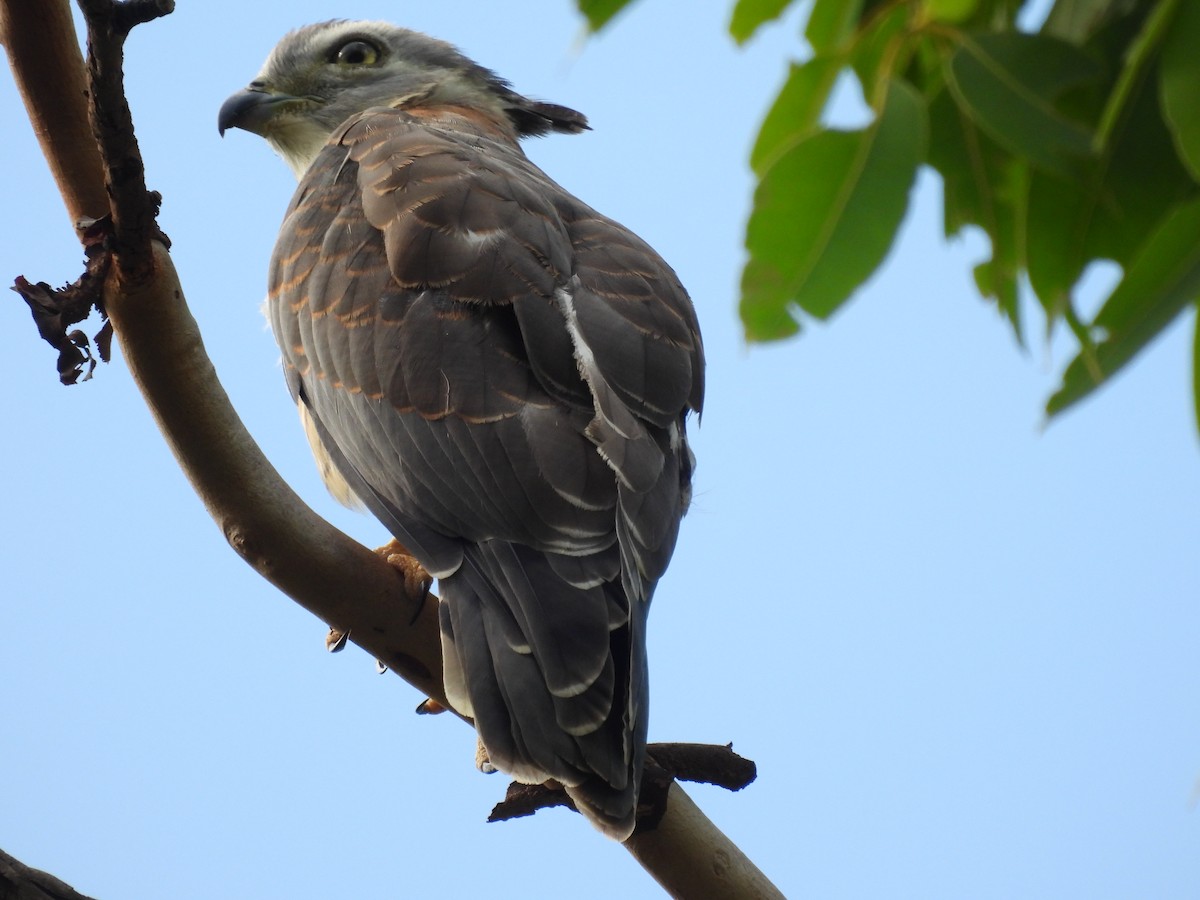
[665,763]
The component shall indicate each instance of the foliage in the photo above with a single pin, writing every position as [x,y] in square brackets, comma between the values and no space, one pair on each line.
[1069,144]
[599,12]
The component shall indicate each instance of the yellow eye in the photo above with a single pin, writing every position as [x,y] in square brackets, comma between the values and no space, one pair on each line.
[357,53]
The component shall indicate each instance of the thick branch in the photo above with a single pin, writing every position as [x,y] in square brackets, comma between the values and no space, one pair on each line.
[334,577]
[47,66]
[690,857]
[19,882]
[349,587]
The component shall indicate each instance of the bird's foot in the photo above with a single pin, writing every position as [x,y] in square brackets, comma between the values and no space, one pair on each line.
[417,581]
[483,762]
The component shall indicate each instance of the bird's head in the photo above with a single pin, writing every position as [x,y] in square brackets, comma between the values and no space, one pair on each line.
[320,75]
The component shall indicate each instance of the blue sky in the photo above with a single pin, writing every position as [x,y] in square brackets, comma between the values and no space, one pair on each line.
[960,647]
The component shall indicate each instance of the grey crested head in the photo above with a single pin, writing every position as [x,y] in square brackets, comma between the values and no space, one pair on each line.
[320,75]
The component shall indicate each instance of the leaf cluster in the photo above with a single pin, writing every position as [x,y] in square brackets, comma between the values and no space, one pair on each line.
[1073,141]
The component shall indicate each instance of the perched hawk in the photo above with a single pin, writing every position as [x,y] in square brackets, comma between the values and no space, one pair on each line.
[498,372]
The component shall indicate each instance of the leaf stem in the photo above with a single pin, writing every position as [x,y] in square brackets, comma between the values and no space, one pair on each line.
[1138,57]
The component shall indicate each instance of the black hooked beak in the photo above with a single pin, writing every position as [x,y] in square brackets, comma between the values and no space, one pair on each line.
[250,109]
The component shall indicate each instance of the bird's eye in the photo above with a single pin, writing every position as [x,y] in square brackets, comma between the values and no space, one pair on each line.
[356,53]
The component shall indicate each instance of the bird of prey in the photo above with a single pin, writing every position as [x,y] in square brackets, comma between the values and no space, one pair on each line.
[498,372]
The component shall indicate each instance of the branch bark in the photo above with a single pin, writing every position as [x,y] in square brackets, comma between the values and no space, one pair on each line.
[47,66]
[19,882]
[343,583]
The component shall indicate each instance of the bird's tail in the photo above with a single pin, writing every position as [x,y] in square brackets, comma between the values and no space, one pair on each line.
[547,654]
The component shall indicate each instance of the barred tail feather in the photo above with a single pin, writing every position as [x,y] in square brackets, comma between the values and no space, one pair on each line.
[558,689]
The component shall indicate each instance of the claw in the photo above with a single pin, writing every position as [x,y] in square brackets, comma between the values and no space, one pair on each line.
[430,707]
[336,640]
[416,580]
[482,761]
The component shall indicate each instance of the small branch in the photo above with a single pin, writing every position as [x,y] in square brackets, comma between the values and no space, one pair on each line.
[131,13]
[19,882]
[708,763]
[715,764]
[55,311]
[134,210]
[521,800]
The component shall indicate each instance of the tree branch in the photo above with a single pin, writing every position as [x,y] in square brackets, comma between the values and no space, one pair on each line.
[341,582]
[690,857]
[133,213]
[47,66]
[19,882]
[665,763]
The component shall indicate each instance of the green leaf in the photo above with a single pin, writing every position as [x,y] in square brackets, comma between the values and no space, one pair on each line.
[1162,280]
[750,15]
[796,110]
[950,10]
[875,56]
[1007,83]
[1124,196]
[997,277]
[599,12]
[1061,215]
[983,185]
[831,23]
[1139,54]
[826,213]
[1075,21]
[1179,84]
